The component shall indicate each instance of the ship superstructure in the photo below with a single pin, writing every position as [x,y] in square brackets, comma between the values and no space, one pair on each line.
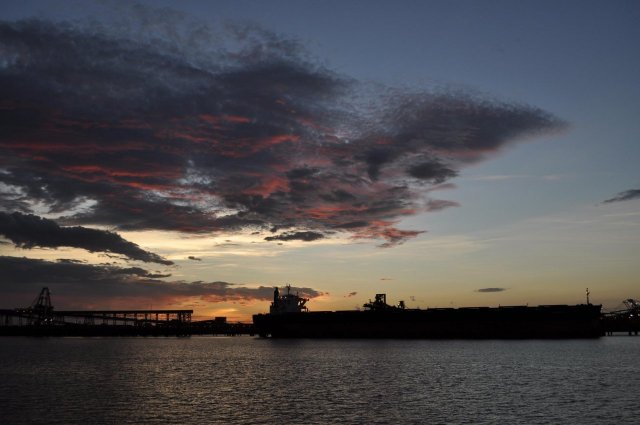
[287,303]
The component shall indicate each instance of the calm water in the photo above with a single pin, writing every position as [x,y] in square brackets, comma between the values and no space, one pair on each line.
[203,380]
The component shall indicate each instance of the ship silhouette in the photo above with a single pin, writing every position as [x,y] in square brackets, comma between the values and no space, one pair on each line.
[289,317]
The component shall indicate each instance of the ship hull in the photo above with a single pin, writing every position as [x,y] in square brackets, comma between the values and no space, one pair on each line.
[543,322]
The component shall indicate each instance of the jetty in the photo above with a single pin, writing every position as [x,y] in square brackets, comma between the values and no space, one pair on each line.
[41,319]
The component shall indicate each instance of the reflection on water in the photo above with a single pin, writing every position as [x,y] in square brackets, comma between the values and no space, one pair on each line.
[246,380]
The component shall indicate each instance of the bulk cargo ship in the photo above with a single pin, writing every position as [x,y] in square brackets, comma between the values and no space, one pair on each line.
[289,317]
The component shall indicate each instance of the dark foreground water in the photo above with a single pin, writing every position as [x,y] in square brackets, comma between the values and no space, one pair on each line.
[202,380]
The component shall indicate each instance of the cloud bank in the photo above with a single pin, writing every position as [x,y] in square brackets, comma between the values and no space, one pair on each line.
[29,231]
[85,285]
[627,195]
[237,132]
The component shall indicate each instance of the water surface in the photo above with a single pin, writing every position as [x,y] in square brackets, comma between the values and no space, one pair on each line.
[215,380]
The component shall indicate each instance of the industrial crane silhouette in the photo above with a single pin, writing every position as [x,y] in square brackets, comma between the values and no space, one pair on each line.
[40,312]
[625,319]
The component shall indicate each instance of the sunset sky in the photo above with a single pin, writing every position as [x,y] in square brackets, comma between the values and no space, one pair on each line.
[195,154]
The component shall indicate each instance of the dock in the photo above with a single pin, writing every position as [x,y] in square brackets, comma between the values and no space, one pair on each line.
[41,319]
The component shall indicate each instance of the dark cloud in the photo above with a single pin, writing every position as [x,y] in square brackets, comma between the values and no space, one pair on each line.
[70,261]
[440,204]
[432,171]
[85,285]
[293,236]
[351,294]
[191,257]
[338,196]
[29,231]
[158,122]
[396,236]
[627,195]
[491,289]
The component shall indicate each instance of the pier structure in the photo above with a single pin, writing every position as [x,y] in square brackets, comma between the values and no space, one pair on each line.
[22,317]
[626,319]
[41,318]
